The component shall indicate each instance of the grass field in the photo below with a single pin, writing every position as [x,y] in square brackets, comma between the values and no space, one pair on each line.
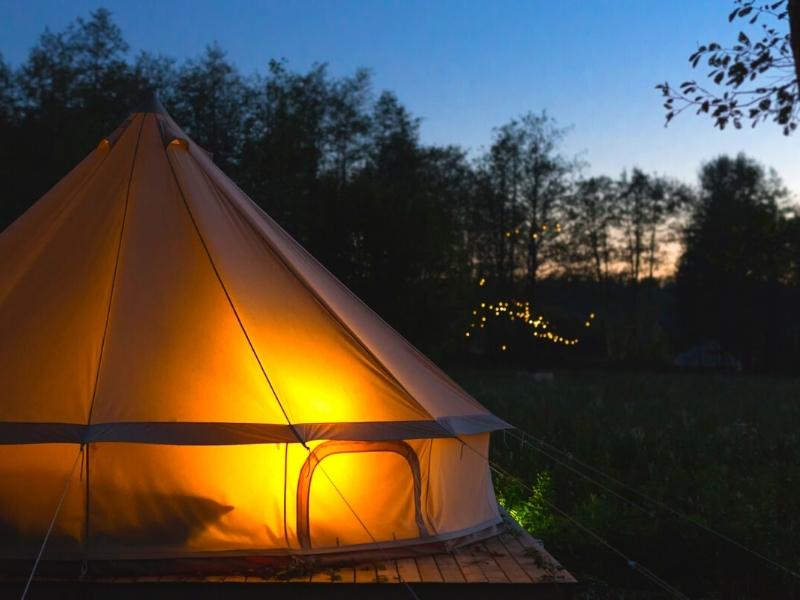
[723,449]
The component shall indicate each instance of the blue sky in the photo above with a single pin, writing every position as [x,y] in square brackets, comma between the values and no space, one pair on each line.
[465,67]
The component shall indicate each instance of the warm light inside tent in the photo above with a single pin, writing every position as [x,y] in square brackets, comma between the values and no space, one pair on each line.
[161,307]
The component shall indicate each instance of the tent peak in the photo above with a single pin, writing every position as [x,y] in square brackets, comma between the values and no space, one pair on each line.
[150,104]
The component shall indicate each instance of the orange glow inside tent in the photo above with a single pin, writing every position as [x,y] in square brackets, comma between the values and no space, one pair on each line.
[199,384]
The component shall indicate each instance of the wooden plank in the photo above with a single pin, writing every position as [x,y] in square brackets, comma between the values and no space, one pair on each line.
[449,568]
[487,564]
[532,556]
[469,567]
[533,545]
[428,571]
[501,555]
[365,573]
[321,576]
[408,571]
[533,566]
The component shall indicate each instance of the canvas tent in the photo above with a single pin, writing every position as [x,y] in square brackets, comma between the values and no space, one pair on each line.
[193,382]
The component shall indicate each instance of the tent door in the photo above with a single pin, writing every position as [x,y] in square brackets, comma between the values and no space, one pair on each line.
[372,477]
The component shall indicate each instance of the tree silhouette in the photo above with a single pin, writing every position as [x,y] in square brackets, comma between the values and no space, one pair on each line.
[761,75]
[730,274]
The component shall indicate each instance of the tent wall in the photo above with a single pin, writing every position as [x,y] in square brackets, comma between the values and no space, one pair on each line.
[32,480]
[148,501]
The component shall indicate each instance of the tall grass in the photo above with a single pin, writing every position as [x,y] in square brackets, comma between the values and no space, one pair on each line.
[725,450]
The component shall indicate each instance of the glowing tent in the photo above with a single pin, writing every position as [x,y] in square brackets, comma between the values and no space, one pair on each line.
[189,381]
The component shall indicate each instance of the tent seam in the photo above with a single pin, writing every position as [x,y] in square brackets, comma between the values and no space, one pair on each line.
[105,328]
[115,272]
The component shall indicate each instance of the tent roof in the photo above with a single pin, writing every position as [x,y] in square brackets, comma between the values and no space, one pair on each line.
[146,298]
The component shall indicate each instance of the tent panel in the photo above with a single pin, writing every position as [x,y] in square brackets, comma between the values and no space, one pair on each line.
[464,496]
[32,480]
[53,312]
[174,350]
[25,239]
[426,383]
[320,373]
[155,500]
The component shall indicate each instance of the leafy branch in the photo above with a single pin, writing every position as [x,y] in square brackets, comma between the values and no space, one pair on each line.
[761,75]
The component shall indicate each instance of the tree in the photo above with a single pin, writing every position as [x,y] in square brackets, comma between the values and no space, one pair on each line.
[347,125]
[589,222]
[527,180]
[212,104]
[496,215]
[731,273]
[8,105]
[283,150]
[646,204]
[404,227]
[155,72]
[761,75]
[73,89]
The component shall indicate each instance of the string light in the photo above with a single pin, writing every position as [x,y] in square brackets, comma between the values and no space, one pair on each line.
[543,228]
[518,310]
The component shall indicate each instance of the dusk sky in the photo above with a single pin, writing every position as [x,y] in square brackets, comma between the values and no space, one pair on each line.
[465,67]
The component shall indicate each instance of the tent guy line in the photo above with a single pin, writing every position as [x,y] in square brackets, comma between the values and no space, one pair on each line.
[635,565]
[658,503]
[367,531]
[60,503]
[228,294]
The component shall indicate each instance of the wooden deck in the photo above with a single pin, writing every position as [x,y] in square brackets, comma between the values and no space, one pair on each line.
[512,563]
[507,558]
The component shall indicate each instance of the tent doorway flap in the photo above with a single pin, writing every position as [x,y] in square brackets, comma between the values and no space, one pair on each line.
[371,479]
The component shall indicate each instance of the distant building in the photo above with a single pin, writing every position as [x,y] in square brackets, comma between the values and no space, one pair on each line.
[707,355]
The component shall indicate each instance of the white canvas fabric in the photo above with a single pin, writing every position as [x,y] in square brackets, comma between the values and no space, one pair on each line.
[218,381]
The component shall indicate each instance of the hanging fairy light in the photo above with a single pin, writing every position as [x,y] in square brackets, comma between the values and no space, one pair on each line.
[520,311]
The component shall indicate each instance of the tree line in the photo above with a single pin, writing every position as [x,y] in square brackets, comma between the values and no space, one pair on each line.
[425,233]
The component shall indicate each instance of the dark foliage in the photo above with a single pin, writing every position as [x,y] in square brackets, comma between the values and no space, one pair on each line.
[734,281]
[721,449]
[754,79]
[425,233]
